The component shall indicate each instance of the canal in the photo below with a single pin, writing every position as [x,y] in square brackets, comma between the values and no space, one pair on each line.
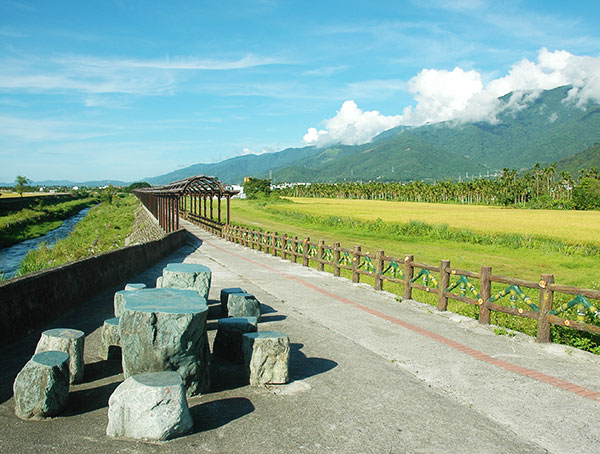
[11,257]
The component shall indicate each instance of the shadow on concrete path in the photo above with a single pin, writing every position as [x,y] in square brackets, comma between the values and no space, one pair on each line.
[87,400]
[212,415]
[302,367]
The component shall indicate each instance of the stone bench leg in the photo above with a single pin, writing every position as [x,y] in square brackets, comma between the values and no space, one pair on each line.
[70,341]
[228,341]
[111,339]
[266,357]
[42,387]
[149,406]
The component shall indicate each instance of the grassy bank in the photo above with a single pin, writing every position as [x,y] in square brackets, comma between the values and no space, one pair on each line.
[38,220]
[104,228]
[466,249]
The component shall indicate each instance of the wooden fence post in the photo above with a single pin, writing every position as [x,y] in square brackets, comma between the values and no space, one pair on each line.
[355,263]
[336,259]
[485,293]
[546,302]
[284,239]
[379,271]
[320,249]
[444,283]
[294,249]
[305,251]
[274,245]
[408,275]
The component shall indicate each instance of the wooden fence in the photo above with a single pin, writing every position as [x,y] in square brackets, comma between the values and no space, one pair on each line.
[443,280]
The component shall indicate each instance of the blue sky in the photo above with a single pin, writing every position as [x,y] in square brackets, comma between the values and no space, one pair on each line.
[132,89]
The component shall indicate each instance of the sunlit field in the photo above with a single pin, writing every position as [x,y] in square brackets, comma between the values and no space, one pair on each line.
[523,263]
[576,226]
[10,195]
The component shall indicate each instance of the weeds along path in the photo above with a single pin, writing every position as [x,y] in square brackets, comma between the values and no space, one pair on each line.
[104,228]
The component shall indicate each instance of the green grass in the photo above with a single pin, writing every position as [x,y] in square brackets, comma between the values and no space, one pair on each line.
[507,257]
[37,221]
[104,228]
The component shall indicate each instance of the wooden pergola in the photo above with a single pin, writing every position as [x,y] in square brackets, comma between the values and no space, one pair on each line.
[191,198]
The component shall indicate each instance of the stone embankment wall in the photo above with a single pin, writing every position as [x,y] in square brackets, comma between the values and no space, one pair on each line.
[145,228]
[30,302]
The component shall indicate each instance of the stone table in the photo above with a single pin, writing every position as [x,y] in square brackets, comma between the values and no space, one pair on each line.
[187,276]
[165,329]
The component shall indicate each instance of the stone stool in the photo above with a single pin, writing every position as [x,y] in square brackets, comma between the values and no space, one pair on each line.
[119,302]
[149,406]
[225,298]
[70,341]
[228,341]
[243,305]
[111,338]
[42,387]
[266,357]
[186,276]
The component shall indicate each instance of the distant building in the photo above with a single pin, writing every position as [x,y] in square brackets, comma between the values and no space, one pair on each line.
[235,187]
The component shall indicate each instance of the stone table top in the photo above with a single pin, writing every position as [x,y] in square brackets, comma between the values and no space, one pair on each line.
[165,300]
[66,333]
[187,268]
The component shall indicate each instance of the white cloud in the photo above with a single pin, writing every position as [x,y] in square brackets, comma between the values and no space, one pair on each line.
[246,151]
[461,96]
[351,126]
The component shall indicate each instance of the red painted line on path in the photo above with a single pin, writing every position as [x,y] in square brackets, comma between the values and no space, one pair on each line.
[476,354]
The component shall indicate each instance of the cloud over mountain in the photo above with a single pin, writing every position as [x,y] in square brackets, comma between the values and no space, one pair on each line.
[461,96]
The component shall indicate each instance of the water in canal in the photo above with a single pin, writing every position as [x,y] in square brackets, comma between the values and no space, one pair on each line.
[11,257]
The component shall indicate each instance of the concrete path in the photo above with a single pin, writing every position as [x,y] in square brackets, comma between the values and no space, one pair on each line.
[369,374]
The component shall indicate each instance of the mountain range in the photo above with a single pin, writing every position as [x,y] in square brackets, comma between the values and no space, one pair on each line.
[544,128]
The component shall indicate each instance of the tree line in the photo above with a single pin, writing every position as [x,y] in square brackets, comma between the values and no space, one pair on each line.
[540,187]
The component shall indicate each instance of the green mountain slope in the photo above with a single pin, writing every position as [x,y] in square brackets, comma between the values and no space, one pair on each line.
[588,158]
[400,158]
[545,131]
[234,170]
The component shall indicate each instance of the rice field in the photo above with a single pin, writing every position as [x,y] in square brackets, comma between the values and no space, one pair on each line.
[575,226]
[523,263]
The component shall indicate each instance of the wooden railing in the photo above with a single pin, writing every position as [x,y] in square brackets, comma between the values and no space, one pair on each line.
[443,280]
[212,225]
